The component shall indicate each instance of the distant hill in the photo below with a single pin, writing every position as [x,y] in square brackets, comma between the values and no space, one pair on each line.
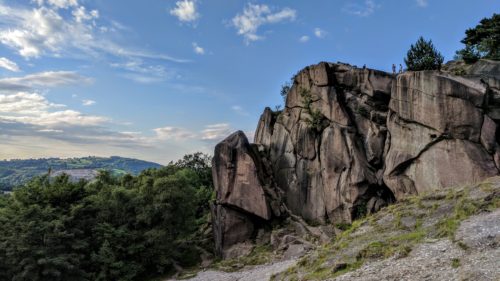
[17,172]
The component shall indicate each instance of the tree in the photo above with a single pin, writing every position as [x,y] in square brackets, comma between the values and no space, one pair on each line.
[285,89]
[423,56]
[482,41]
[128,228]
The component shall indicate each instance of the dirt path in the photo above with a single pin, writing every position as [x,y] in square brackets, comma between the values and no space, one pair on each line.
[258,273]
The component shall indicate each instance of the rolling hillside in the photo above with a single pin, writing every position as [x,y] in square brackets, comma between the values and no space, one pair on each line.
[17,172]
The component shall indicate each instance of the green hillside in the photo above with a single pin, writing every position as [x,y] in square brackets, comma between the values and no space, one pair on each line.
[17,172]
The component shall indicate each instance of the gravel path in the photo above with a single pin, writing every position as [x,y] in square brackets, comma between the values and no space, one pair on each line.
[258,273]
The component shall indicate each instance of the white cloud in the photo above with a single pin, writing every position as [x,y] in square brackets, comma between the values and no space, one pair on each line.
[140,72]
[169,133]
[254,16]
[46,79]
[197,49]
[61,4]
[48,31]
[82,15]
[35,109]
[361,10]
[8,64]
[216,132]
[422,3]
[51,131]
[238,109]
[320,33]
[24,103]
[304,39]
[88,102]
[185,11]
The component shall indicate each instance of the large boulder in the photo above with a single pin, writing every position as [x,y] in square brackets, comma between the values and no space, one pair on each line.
[236,177]
[244,198]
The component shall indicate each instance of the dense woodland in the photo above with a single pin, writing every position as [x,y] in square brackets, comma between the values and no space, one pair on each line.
[127,228]
[19,171]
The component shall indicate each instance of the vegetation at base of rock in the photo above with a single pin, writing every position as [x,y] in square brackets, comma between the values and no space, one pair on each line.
[482,41]
[125,228]
[395,231]
[17,172]
[423,56]
[260,254]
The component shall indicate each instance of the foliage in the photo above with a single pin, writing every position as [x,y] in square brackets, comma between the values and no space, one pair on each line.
[482,41]
[316,121]
[17,172]
[127,228]
[469,54]
[423,56]
[285,89]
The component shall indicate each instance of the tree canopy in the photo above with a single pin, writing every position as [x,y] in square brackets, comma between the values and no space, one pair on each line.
[423,56]
[482,41]
[127,228]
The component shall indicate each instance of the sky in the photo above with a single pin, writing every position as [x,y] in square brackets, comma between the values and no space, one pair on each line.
[158,79]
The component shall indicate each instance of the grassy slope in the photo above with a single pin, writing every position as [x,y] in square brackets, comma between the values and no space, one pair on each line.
[395,230]
[17,172]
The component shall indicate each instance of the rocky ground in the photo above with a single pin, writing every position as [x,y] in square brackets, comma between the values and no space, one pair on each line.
[453,234]
[259,272]
[444,260]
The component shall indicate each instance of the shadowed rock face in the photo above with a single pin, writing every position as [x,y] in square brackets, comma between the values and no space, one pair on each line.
[349,141]
[329,171]
[244,196]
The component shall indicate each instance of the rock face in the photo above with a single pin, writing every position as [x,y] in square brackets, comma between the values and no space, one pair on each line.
[351,141]
[241,199]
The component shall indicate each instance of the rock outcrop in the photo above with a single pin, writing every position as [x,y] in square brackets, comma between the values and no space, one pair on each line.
[245,195]
[350,141]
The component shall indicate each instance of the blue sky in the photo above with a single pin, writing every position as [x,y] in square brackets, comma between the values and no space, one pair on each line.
[158,79]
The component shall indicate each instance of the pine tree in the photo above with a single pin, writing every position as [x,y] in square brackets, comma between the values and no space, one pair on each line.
[423,56]
[482,41]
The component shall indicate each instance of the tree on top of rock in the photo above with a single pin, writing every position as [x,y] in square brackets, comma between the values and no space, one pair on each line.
[482,41]
[423,56]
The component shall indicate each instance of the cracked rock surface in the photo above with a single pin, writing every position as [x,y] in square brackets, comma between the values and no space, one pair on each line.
[350,141]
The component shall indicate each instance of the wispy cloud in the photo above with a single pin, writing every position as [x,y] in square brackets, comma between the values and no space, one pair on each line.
[198,49]
[64,28]
[304,39]
[360,9]
[8,64]
[319,33]
[185,11]
[239,110]
[216,132]
[422,3]
[175,133]
[35,109]
[61,4]
[138,71]
[88,102]
[46,79]
[254,16]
